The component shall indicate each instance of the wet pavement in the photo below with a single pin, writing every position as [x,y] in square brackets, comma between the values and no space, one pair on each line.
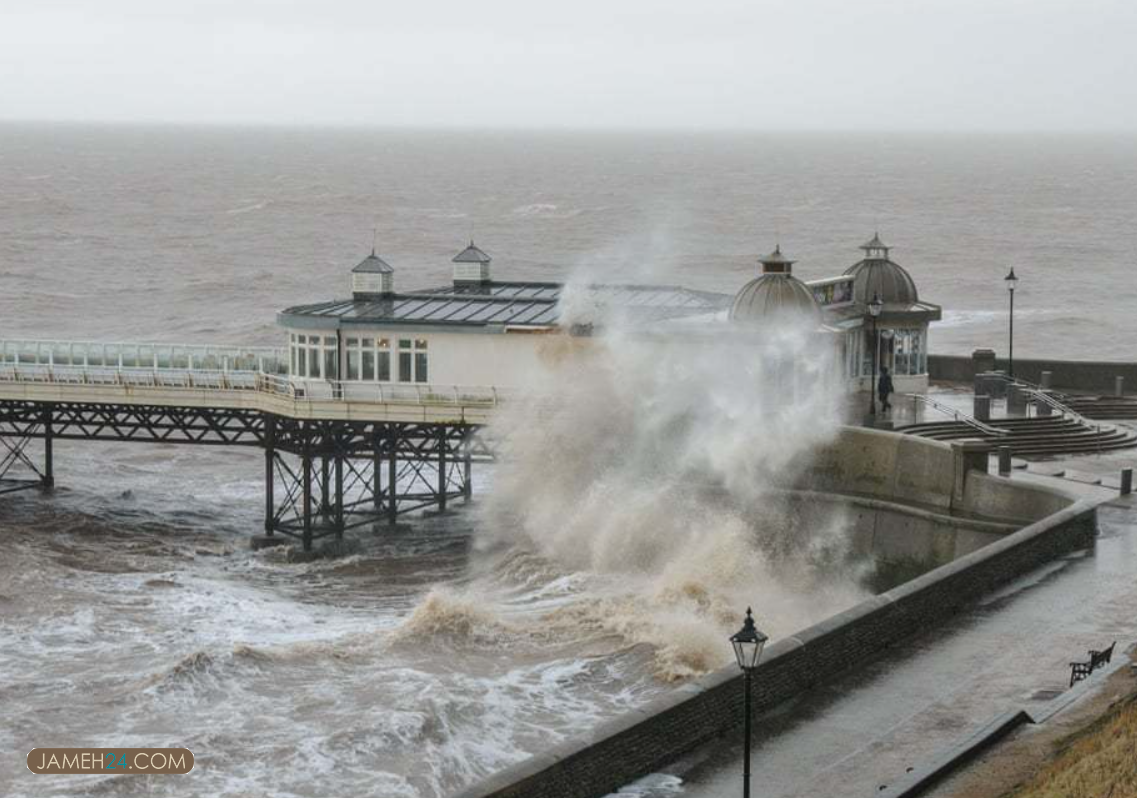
[853,737]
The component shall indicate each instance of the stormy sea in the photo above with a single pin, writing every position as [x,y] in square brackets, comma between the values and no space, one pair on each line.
[605,556]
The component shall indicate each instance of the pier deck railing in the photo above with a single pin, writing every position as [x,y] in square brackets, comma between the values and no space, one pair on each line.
[252,381]
[131,355]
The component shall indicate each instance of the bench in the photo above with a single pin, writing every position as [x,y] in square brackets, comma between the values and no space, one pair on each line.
[1082,670]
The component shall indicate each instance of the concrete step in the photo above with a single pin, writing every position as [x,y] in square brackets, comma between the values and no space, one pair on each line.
[1032,437]
[1104,406]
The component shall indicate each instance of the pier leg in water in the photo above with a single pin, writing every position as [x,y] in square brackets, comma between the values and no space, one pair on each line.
[270,487]
[392,475]
[306,499]
[339,496]
[325,502]
[48,478]
[467,470]
[442,443]
[376,481]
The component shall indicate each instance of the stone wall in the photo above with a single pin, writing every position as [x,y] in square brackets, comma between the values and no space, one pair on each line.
[1080,375]
[656,734]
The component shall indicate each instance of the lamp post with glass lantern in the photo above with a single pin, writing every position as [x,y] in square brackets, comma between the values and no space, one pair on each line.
[748,643]
[1011,282]
[874,310]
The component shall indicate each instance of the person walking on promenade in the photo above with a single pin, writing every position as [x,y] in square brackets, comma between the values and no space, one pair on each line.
[884,389]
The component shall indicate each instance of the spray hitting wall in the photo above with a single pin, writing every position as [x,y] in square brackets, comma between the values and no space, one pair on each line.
[651,464]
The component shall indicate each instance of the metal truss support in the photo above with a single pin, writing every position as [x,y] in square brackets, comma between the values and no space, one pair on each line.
[442,469]
[18,471]
[392,474]
[322,476]
[270,463]
[48,476]
[467,469]
[134,423]
[344,477]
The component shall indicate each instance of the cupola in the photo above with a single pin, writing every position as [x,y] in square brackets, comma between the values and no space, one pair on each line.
[471,266]
[775,295]
[877,275]
[372,278]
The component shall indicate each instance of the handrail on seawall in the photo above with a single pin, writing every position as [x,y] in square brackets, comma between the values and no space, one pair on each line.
[1050,401]
[1046,397]
[255,381]
[958,415]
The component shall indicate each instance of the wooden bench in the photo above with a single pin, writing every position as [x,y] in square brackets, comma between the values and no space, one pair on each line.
[1082,670]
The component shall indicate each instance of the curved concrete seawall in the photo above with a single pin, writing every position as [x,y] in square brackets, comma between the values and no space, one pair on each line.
[1084,375]
[882,466]
[906,469]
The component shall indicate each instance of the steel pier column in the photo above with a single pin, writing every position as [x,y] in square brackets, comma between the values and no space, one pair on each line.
[467,471]
[270,457]
[48,479]
[392,474]
[442,468]
[339,495]
[324,480]
[376,470]
[306,487]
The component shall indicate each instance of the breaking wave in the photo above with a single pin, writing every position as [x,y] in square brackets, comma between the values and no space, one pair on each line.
[658,471]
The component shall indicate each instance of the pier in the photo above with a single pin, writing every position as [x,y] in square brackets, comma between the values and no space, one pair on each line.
[336,456]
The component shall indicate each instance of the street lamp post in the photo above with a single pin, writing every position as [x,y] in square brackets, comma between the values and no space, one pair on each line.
[748,643]
[874,310]
[1011,282]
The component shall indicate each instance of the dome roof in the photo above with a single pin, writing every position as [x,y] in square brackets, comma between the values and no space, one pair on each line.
[775,295]
[877,275]
[885,279]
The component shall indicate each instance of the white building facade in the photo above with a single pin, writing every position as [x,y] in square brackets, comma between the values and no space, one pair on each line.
[481,332]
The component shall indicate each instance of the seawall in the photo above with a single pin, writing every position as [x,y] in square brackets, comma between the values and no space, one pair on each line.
[862,462]
[1082,375]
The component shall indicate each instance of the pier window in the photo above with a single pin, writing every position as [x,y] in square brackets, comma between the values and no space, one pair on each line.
[413,361]
[313,347]
[331,359]
[312,356]
[368,359]
[354,358]
[383,360]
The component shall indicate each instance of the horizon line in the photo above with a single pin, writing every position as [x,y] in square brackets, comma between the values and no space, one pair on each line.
[555,128]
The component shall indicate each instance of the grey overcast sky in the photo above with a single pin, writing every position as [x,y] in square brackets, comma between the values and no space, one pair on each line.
[791,64]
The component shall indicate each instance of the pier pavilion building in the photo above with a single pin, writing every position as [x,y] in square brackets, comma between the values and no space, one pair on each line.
[481,331]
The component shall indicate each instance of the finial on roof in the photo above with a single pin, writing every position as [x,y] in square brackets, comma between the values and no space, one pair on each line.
[875,244]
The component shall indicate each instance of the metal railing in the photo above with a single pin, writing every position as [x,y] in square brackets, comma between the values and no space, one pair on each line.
[254,381]
[1064,410]
[1067,412]
[958,415]
[132,355]
[1037,394]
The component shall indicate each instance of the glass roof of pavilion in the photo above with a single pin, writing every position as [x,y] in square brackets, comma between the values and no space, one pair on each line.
[513,303]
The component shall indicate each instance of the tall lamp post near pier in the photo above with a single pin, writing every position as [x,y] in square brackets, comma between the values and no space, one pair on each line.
[748,643]
[1011,282]
[874,310]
